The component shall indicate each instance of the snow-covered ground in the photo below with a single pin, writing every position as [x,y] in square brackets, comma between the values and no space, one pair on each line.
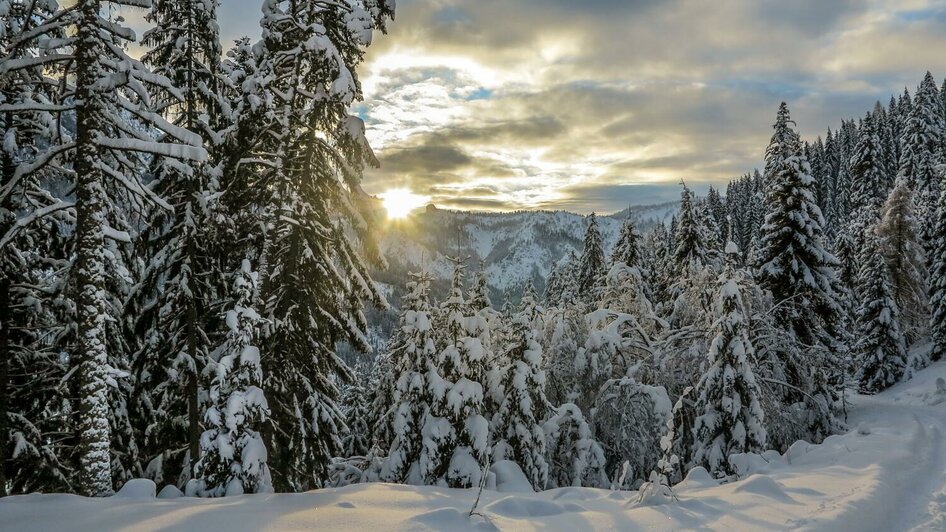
[888,473]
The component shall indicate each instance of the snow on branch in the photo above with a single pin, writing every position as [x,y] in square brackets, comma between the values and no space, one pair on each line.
[167,149]
[32,218]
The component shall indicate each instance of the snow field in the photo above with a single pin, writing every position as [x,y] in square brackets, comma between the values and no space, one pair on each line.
[888,473]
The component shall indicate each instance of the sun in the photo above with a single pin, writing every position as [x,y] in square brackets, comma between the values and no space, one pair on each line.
[399,202]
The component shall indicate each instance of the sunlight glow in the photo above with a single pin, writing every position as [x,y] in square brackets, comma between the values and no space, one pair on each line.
[399,202]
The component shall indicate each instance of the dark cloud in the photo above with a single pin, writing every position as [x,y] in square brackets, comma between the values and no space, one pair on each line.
[612,198]
[424,159]
[603,102]
[471,203]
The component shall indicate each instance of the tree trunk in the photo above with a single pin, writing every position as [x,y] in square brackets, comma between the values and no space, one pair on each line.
[91,355]
[5,355]
[192,391]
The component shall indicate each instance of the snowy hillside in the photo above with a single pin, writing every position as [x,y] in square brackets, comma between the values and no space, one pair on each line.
[514,246]
[887,474]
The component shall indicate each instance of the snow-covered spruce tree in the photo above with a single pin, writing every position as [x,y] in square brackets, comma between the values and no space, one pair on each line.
[659,266]
[563,338]
[233,458]
[937,261]
[591,263]
[800,273]
[180,277]
[906,261]
[783,145]
[303,175]
[357,399]
[481,306]
[712,231]
[880,350]
[479,292]
[574,457]
[456,435]
[561,286]
[412,360]
[517,433]
[729,414]
[868,170]
[689,252]
[920,149]
[628,247]
[34,226]
[868,192]
[108,95]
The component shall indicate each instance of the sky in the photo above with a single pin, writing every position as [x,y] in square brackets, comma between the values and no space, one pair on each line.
[589,105]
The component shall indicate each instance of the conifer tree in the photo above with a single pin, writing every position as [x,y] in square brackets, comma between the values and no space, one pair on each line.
[516,426]
[574,457]
[561,285]
[689,253]
[456,434]
[479,292]
[412,362]
[793,263]
[234,456]
[730,418]
[905,258]
[358,398]
[800,273]
[591,264]
[880,350]
[34,226]
[784,144]
[564,338]
[179,279]
[311,155]
[868,179]
[937,261]
[920,145]
[110,89]
[628,247]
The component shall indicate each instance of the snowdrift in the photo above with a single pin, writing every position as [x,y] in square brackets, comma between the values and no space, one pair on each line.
[887,473]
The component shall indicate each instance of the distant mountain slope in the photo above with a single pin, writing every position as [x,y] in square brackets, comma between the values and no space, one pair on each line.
[513,246]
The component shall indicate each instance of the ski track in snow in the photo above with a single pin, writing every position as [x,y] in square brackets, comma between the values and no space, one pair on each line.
[887,474]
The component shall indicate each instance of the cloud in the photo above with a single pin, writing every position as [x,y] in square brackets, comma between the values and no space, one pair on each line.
[591,105]
[509,104]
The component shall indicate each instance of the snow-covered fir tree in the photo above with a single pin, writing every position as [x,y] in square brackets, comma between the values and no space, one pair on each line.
[561,285]
[937,261]
[564,337]
[920,149]
[880,349]
[628,247]
[112,108]
[457,433]
[517,433]
[233,455]
[574,457]
[906,261]
[35,312]
[689,252]
[311,155]
[412,362]
[179,276]
[358,398]
[591,263]
[729,413]
[799,271]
